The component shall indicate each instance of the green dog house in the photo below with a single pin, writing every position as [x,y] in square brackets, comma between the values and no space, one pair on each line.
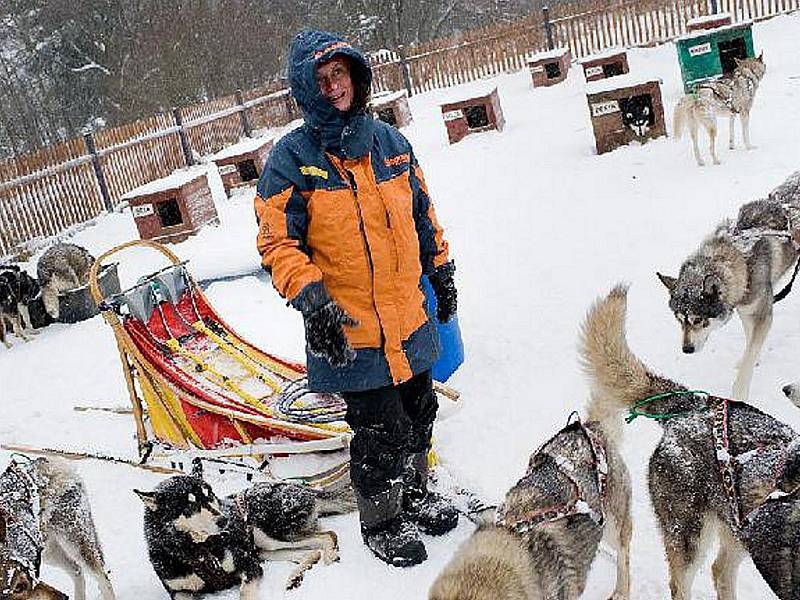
[708,53]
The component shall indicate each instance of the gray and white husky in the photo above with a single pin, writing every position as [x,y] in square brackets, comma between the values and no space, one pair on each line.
[45,518]
[744,490]
[200,544]
[729,96]
[738,268]
[543,539]
[62,267]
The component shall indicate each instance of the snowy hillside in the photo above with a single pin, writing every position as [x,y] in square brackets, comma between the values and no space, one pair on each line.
[539,226]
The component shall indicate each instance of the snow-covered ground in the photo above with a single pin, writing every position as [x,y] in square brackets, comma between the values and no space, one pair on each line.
[539,226]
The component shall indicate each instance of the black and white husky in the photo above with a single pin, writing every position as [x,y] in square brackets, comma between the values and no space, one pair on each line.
[201,544]
[45,518]
[17,290]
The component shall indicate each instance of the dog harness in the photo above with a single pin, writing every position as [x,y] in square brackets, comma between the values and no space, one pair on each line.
[577,505]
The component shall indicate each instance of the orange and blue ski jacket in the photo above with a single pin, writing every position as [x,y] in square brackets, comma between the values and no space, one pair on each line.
[342,204]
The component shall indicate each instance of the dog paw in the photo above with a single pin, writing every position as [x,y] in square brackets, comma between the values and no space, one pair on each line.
[618,596]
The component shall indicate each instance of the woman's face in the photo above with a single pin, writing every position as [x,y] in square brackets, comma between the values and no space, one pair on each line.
[335,83]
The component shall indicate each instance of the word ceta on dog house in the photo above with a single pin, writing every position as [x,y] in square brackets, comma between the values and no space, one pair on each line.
[473,114]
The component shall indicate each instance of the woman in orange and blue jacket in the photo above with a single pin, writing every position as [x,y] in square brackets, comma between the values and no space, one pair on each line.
[347,229]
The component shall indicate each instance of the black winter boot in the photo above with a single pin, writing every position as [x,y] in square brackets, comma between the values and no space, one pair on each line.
[432,513]
[386,530]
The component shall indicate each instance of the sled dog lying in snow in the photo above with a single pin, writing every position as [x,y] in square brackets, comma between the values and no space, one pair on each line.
[45,518]
[17,289]
[729,95]
[62,267]
[738,268]
[721,466]
[200,544]
[545,535]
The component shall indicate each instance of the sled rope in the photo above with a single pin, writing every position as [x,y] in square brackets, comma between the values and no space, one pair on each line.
[634,412]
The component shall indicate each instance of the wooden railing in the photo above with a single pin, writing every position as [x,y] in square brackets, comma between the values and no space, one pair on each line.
[45,192]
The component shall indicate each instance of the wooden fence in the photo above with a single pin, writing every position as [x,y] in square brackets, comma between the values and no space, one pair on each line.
[45,192]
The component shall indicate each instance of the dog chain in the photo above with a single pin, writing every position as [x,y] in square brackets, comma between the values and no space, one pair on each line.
[722,446]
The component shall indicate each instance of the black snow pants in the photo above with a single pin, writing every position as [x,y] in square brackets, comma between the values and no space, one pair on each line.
[389,424]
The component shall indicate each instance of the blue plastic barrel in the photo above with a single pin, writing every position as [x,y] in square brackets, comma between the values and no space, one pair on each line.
[452,354]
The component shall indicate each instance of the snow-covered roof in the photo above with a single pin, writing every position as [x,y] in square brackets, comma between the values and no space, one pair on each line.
[548,54]
[700,33]
[387,97]
[601,55]
[474,90]
[242,147]
[708,19]
[173,181]
[619,82]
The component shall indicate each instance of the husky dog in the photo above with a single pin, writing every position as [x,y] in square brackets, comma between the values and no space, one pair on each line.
[737,268]
[729,95]
[545,535]
[62,267]
[721,466]
[200,544]
[637,114]
[17,290]
[45,518]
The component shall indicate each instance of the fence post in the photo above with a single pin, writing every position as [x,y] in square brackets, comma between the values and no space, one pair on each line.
[248,130]
[404,71]
[88,139]
[548,27]
[714,7]
[187,149]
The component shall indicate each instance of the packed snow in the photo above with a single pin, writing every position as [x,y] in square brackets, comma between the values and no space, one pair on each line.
[539,226]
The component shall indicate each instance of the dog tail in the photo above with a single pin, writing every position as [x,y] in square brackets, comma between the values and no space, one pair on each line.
[336,500]
[617,377]
[683,115]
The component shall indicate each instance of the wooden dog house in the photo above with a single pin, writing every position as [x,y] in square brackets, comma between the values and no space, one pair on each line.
[549,68]
[604,65]
[392,108]
[242,163]
[473,114]
[625,109]
[707,53]
[709,22]
[174,207]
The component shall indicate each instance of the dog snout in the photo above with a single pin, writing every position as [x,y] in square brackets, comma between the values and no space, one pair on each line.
[222,522]
[688,348]
[788,390]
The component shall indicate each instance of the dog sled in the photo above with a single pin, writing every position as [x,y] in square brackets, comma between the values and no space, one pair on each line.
[199,390]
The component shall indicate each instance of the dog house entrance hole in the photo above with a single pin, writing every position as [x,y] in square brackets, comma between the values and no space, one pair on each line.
[476,116]
[247,169]
[552,70]
[729,51]
[612,69]
[387,116]
[169,213]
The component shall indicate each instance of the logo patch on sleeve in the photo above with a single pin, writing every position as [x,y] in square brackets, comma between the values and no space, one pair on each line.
[397,160]
[314,171]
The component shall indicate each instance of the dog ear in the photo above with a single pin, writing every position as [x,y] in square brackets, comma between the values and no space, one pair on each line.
[149,498]
[197,468]
[669,282]
[712,285]
[761,57]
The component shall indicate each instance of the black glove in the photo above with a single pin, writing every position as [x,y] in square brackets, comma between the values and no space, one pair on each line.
[445,289]
[325,335]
